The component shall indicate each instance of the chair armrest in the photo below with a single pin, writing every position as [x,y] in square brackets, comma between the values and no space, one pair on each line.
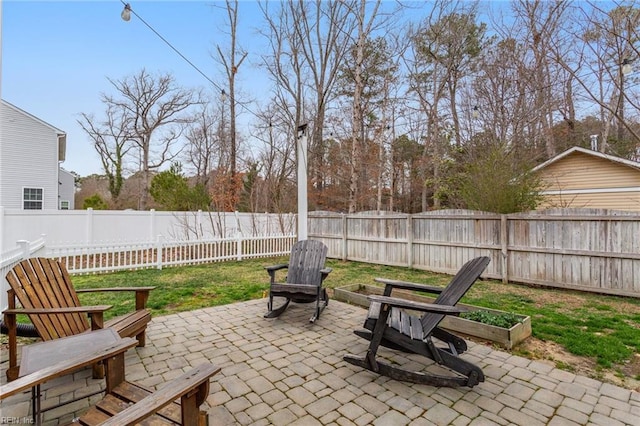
[142,293]
[49,311]
[171,391]
[272,271]
[95,312]
[418,306]
[90,290]
[404,285]
[64,367]
[276,267]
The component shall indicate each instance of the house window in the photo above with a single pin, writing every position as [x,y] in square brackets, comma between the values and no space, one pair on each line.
[32,198]
[64,205]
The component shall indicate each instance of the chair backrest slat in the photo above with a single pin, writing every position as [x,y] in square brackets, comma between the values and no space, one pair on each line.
[459,285]
[307,259]
[45,283]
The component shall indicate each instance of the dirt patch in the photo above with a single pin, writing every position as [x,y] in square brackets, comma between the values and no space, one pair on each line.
[624,375]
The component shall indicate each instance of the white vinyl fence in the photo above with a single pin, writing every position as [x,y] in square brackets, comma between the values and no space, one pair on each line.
[96,258]
[89,227]
[88,241]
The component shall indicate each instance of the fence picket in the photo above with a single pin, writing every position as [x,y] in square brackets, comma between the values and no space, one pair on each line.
[582,249]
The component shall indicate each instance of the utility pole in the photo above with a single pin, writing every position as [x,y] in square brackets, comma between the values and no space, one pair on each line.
[302,149]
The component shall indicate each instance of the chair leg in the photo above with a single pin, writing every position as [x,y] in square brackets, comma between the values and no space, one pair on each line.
[321,302]
[14,369]
[142,339]
[369,360]
[273,313]
[98,370]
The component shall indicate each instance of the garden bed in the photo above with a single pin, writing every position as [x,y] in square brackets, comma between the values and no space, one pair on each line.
[506,337]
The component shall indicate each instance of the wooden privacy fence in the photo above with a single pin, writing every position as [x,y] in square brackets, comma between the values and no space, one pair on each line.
[582,249]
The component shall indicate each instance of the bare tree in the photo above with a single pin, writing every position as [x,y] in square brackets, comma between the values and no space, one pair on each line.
[110,140]
[308,42]
[378,72]
[608,40]
[231,59]
[435,61]
[204,143]
[278,169]
[323,31]
[153,111]
[540,25]
[366,21]
[284,63]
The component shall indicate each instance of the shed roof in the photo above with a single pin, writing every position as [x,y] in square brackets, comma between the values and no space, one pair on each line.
[623,161]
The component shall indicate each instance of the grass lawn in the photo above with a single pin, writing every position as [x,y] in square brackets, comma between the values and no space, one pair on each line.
[602,329]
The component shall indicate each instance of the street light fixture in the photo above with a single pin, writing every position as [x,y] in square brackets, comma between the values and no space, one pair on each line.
[126,13]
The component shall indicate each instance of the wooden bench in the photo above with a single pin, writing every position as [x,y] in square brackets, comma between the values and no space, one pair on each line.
[126,403]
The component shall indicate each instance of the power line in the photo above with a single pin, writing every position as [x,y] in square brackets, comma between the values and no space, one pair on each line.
[128,9]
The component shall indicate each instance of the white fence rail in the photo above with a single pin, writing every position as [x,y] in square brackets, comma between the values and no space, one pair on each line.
[8,259]
[161,253]
[89,227]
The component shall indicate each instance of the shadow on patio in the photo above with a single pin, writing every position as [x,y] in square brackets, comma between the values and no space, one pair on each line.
[287,371]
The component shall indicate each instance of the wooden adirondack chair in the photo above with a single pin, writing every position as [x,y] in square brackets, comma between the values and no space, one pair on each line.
[176,403]
[389,325]
[45,293]
[305,275]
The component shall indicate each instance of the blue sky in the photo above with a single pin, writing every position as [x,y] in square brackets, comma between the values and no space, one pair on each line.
[57,55]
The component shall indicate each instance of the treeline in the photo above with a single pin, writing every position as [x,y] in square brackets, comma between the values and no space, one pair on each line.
[409,107]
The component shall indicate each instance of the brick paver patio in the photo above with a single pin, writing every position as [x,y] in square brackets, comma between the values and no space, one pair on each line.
[286,371]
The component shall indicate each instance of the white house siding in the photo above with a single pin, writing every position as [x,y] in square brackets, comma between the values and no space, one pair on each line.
[29,157]
[66,188]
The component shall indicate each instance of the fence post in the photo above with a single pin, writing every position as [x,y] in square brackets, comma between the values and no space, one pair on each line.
[24,248]
[344,237]
[1,229]
[89,237]
[238,245]
[410,241]
[159,246]
[238,224]
[292,219]
[43,249]
[504,243]
[152,223]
